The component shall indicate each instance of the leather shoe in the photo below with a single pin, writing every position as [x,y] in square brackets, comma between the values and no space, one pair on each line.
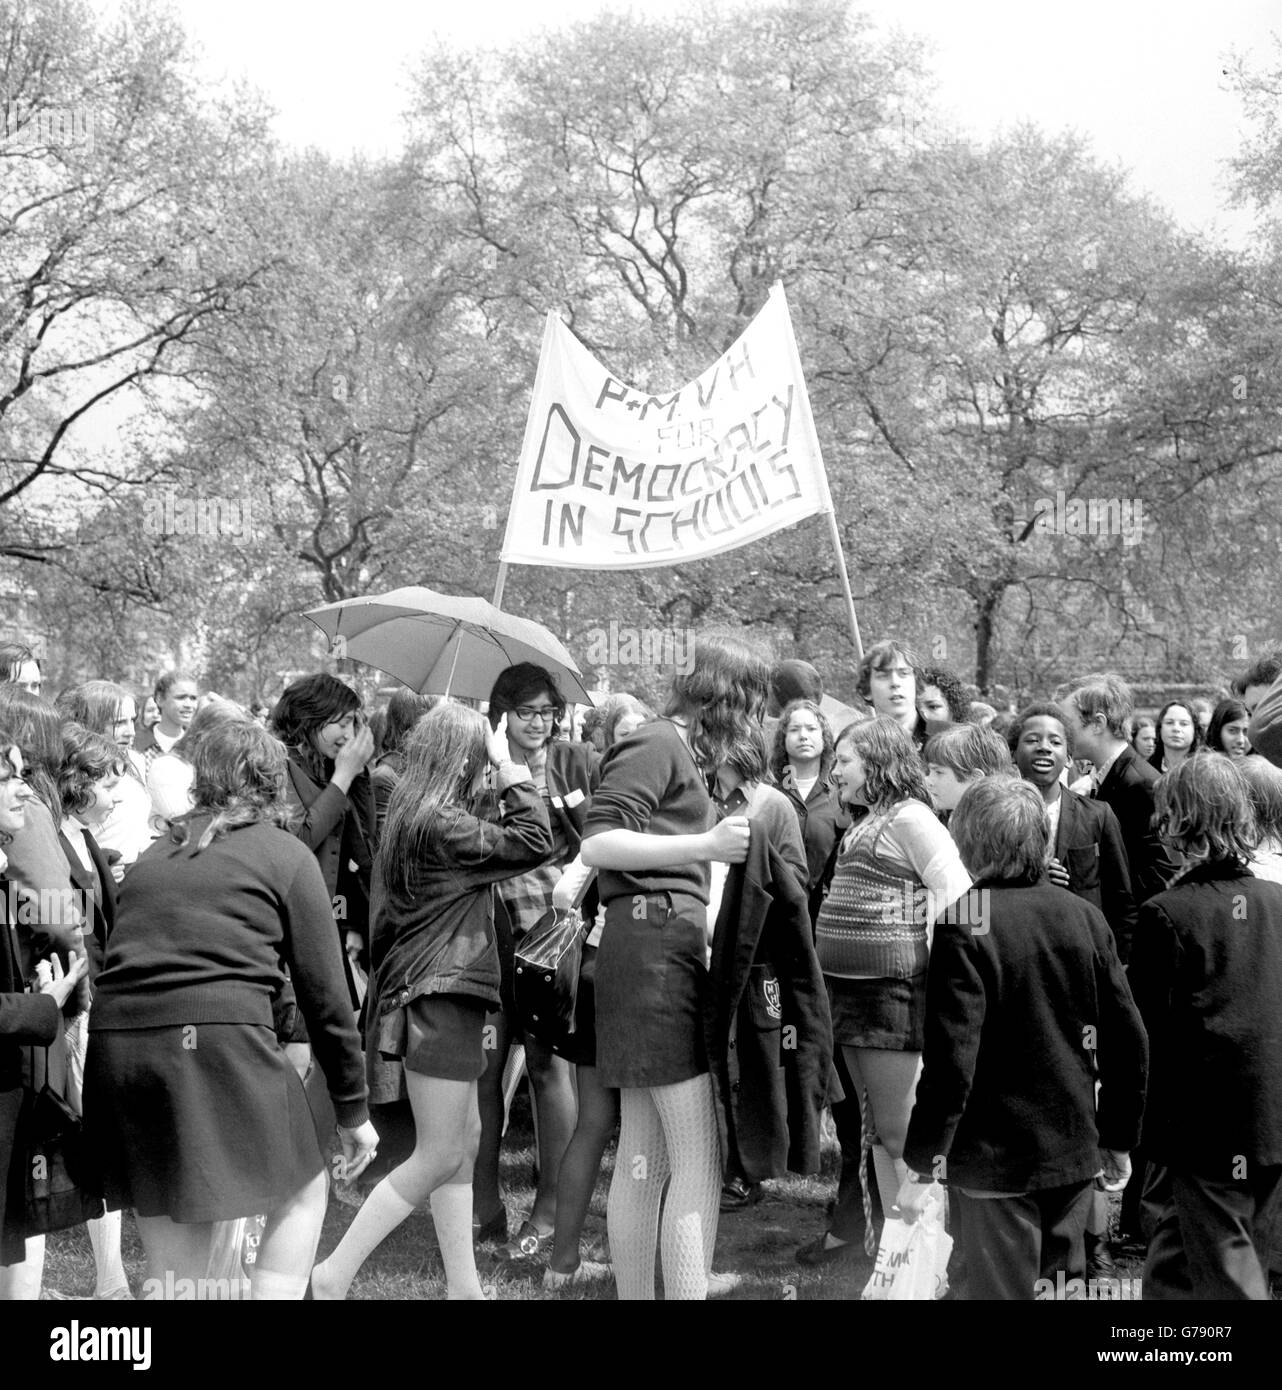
[738,1194]
[495,1229]
[1099,1258]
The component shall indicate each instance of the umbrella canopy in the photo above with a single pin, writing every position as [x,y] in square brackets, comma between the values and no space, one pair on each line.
[440,644]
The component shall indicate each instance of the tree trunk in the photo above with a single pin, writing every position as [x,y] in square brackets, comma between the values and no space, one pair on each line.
[985,617]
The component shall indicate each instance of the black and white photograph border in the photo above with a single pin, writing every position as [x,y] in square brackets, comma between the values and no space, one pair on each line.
[593,394]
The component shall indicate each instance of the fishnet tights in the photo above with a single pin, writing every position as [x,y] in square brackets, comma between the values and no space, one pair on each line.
[668,1134]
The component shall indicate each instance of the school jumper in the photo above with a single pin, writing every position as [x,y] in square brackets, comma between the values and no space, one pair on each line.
[193,1109]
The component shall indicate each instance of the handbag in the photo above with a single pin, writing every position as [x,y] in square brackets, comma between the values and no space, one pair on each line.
[546,974]
[50,1176]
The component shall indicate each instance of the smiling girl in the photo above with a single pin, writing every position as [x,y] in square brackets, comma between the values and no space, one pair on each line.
[898,869]
[320,722]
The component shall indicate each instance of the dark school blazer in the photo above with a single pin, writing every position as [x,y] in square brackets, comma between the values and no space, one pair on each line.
[25,1019]
[1089,845]
[766,1023]
[1023,1017]
[823,822]
[572,774]
[324,813]
[1206,970]
[104,912]
[1128,791]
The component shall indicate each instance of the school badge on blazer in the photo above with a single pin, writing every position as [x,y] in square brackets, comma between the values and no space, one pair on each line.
[774,1001]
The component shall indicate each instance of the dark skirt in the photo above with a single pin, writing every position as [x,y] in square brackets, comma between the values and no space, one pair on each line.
[580,1046]
[889,1014]
[198,1123]
[440,1035]
[651,974]
[12,1247]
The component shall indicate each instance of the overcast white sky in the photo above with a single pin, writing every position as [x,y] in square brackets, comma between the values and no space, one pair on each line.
[1142,78]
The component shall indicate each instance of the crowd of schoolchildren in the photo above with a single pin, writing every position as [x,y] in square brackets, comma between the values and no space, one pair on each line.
[1024,959]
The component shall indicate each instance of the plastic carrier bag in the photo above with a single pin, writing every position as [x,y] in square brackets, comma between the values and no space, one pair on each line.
[912,1259]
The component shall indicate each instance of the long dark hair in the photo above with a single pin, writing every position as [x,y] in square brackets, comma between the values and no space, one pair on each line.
[721,698]
[404,710]
[1159,749]
[37,731]
[443,753]
[7,744]
[779,754]
[304,709]
[1226,712]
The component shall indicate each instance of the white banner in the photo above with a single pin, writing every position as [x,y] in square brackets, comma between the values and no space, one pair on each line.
[612,477]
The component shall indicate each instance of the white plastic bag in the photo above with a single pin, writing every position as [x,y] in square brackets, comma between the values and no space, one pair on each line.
[912,1260]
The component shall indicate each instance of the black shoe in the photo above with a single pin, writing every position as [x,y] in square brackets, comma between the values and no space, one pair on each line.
[819,1252]
[1099,1258]
[737,1194]
[495,1229]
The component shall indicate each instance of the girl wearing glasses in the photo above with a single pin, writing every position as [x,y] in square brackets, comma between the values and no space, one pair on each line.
[563,775]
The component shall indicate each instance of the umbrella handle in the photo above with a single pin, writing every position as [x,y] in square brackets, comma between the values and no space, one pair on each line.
[449,680]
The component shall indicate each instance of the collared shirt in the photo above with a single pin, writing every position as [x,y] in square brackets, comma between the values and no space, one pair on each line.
[1053,812]
[734,803]
[1103,769]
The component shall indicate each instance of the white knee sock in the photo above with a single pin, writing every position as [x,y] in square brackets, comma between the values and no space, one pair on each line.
[452,1214]
[632,1213]
[269,1284]
[382,1212]
[21,1282]
[891,1173]
[104,1236]
[693,1205]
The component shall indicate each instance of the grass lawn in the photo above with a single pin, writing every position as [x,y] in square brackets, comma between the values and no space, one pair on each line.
[758,1244]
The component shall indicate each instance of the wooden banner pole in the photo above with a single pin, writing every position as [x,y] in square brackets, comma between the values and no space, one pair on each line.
[497,600]
[845,586]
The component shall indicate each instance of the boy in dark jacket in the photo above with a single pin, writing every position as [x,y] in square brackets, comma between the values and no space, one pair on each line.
[1025,1011]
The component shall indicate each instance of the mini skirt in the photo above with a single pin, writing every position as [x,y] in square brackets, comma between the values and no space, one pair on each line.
[439,1035]
[651,979]
[889,1013]
[197,1123]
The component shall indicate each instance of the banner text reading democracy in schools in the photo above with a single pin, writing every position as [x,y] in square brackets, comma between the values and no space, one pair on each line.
[612,477]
